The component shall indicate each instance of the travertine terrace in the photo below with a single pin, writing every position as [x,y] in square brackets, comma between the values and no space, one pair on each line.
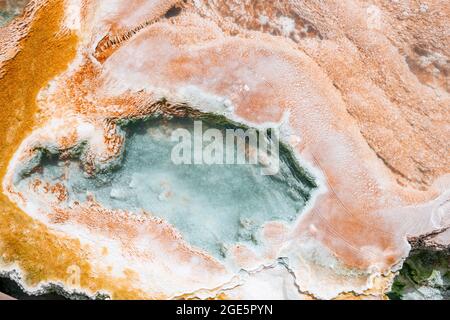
[359,89]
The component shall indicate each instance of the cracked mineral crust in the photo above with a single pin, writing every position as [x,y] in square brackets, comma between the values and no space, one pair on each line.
[92,93]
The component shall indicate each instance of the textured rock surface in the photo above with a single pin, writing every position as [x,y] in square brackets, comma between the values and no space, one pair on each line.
[360,90]
[425,275]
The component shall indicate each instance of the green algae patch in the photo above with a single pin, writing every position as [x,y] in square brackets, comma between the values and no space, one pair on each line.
[425,275]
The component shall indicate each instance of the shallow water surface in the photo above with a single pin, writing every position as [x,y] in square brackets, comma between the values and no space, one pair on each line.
[10,9]
[211,205]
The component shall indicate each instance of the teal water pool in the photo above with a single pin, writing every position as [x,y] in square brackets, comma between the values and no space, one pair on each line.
[212,206]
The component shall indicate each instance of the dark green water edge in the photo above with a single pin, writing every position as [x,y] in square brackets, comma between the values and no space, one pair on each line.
[425,275]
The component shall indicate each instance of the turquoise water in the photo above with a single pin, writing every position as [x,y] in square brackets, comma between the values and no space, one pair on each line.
[4,18]
[211,205]
[10,9]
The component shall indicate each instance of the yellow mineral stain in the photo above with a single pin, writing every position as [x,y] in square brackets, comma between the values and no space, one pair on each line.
[40,253]
[42,56]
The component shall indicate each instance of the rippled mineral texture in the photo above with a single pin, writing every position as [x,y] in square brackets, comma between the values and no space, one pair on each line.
[91,92]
